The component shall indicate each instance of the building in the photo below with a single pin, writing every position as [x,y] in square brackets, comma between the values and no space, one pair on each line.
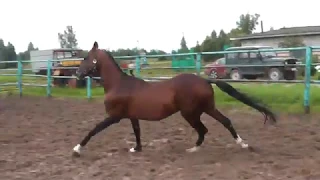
[309,34]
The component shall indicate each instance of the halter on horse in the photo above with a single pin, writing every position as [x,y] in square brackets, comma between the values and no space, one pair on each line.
[135,99]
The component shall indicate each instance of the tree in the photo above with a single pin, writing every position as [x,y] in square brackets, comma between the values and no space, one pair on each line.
[209,45]
[222,40]
[157,52]
[2,54]
[197,48]
[247,23]
[68,39]
[10,55]
[7,53]
[26,54]
[236,32]
[214,43]
[2,50]
[31,47]
[183,46]
[213,34]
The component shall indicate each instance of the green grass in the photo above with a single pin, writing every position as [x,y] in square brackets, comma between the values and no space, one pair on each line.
[13,78]
[279,97]
[25,79]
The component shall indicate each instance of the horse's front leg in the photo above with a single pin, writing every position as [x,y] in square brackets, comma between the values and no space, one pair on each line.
[99,127]
[136,130]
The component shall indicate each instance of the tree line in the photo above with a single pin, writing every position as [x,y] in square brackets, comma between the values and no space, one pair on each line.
[245,25]
[8,53]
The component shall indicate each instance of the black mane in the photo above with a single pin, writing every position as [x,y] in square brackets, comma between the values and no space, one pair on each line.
[114,61]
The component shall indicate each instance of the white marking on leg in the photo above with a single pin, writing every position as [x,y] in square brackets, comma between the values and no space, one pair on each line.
[77,148]
[240,141]
[132,150]
[193,149]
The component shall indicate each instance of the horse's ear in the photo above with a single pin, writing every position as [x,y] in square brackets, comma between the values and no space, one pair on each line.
[95,45]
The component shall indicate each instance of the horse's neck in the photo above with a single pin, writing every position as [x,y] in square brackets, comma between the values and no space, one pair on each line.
[110,75]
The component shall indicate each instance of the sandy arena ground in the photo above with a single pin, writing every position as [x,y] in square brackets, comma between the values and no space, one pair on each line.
[37,136]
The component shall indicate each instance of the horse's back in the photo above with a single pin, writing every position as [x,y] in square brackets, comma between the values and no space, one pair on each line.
[184,82]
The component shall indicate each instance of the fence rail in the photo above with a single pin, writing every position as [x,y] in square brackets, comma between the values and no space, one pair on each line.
[198,67]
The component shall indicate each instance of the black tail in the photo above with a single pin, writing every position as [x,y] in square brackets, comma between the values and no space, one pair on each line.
[227,88]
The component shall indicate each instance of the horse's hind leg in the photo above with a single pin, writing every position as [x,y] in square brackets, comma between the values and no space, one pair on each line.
[195,122]
[227,124]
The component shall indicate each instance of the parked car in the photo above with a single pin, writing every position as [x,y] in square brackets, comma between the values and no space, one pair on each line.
[216,70]
[268,64]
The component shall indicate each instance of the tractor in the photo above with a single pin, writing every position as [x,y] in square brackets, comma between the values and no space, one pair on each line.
[68,60]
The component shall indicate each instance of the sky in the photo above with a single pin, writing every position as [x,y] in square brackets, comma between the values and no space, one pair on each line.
[155,24]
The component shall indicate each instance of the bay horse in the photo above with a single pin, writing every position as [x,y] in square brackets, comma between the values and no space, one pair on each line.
[135,99]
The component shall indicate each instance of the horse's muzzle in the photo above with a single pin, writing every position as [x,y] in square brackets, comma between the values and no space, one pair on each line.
[79,75]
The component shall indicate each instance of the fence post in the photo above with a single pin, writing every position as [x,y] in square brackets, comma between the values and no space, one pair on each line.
[137,67]
[19,77]
[88,84]
[198,64]
[307,80]
[49,67]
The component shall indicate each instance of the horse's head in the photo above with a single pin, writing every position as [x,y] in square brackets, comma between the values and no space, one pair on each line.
[90,65]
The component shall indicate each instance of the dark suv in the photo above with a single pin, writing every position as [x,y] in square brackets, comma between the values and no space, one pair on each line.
[269,65]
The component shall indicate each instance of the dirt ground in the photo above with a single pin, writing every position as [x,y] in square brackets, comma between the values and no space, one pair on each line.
[37,136]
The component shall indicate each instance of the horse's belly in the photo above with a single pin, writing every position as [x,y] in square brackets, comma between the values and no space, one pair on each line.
[153,109]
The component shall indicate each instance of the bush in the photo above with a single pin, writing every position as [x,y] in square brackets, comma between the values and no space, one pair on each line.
[313,69]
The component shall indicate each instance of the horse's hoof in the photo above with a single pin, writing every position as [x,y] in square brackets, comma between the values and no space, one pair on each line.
[135,150]
[76,151]
[193,149]
[245,146]
[75,154]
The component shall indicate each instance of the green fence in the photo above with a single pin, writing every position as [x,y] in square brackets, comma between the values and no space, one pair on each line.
[197,67]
